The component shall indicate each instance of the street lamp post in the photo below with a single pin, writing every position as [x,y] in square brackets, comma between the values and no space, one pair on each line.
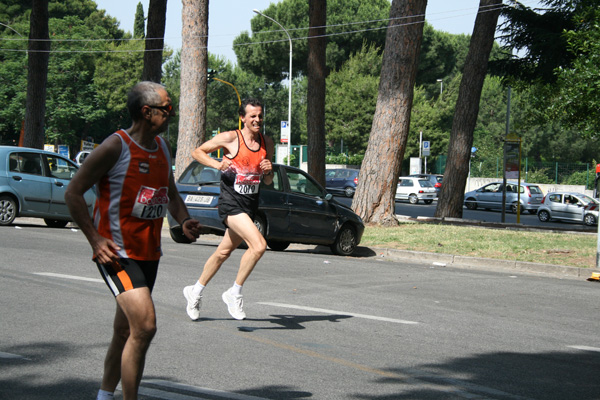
[290,91]
[441,81]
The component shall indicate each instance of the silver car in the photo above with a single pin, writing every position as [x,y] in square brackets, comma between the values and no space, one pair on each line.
[415,189]
[33,184]
[489,197]
[569,206]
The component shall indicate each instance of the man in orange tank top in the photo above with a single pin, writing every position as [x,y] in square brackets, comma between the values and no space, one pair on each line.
[247,161]
[135,185]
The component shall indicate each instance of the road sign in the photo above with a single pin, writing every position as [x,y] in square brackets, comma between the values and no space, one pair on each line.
[285,131]
[426,149]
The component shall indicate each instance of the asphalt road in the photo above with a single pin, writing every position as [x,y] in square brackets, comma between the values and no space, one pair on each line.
[319,327]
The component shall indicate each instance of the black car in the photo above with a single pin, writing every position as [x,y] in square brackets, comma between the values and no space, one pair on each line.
[293,209]
[341,181]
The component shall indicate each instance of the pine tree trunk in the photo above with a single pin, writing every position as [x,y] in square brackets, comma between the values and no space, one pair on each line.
[37,76]
[155,38]
[194,66]
[450,202]
[374,198]
[317,72]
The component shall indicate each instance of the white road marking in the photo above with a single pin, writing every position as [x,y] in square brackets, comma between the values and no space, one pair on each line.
[12,356]
[77,278]
[325,311]
[195,391]
[586,348]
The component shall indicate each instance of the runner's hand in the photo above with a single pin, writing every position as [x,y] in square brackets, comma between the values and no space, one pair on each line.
[266,166]
[105,251]
[225,164]
[191,229]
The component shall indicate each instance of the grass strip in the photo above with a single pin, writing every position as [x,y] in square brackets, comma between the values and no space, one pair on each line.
[557,248]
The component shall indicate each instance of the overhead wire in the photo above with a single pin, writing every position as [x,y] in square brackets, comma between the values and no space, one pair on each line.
[420,19]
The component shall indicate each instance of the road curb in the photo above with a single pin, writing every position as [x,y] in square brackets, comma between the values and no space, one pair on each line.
[399,256]
[443,259]
[484,264]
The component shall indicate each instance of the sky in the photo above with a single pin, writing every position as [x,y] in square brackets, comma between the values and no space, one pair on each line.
[227,18]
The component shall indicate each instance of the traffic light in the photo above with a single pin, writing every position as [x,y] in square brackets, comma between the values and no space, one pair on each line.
[209,74]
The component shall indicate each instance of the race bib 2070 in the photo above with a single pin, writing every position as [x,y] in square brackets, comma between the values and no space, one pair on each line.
[247,183]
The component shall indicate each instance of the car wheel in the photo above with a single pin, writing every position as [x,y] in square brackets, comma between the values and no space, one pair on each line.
[471,204]
[544,216]
[345,243]
[277,245]
[261,225]
[514,209]
[8,210]
[349,191]
[178,236]
[589,220]
[413,199]
[56,223]
[427,201]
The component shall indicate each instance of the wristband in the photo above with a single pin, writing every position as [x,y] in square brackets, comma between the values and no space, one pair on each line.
[183,222]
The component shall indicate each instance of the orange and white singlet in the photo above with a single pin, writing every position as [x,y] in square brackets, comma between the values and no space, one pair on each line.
[133,199]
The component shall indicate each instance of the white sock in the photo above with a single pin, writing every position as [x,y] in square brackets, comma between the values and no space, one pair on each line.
[236,289]
[104,395]
[198,288]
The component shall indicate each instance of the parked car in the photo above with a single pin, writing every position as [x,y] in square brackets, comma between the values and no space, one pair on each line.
[33,183]
[435,179]
[341,181]
[415,189]
[489,197]
[81,156]
[569,206]
[293,209]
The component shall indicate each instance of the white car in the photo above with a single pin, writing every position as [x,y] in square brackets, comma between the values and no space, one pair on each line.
[81,156]
[415,189]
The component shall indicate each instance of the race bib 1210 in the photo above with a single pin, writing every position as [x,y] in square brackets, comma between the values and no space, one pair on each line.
[151,203]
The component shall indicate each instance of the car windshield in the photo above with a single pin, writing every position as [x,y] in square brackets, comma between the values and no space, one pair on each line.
[197,174]
[534,190]
[425,183]
[585,199]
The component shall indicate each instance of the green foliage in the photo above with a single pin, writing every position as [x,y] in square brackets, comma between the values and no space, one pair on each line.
[261,52]
[75,108]
[578,99]
[139,27]
[351,98]
[579,178]
[539,176]
[352,159]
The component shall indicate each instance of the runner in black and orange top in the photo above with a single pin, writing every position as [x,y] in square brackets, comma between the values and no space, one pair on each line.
[247,161]
[135,185]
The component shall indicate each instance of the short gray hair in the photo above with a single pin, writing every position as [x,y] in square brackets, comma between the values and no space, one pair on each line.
[144,93]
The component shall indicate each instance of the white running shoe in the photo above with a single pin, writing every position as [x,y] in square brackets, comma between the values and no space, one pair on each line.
[193,303]
[235,304]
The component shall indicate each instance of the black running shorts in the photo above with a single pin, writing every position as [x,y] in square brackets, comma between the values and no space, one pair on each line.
[232,203]
[127,274]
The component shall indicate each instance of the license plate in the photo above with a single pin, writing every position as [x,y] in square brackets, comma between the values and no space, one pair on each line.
[196,199]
